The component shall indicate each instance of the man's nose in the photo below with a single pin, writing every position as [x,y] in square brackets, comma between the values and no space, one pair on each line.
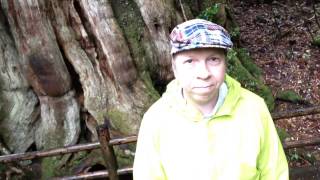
[202,71]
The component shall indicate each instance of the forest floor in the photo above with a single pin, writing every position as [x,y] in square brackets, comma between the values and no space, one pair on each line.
[279,37]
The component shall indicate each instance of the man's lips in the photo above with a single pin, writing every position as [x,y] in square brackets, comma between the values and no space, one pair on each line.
[202,87]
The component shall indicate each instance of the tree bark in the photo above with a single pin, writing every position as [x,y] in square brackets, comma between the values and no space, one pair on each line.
[18,103]
[44,67]
[126,92]
[71,50]
[159,17]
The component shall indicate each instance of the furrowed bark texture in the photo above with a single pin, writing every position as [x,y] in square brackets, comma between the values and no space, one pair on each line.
[18,103]
[46,72]
[126,92]
[67,60]
[158,18]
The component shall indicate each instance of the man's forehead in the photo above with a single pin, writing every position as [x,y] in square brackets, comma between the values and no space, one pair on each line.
[201,51]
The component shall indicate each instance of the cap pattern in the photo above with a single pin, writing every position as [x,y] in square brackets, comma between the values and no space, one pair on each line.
[199,33]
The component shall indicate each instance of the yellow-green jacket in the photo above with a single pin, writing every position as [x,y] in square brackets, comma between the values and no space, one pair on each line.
[238,142]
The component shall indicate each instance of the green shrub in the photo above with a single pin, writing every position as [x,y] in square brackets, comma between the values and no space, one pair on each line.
[210,13]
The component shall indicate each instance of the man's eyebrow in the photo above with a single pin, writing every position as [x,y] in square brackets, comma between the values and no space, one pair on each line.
[214,55]
[188,57]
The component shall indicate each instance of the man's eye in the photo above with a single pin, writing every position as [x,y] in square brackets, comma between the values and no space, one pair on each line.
[188,61]
[214,60]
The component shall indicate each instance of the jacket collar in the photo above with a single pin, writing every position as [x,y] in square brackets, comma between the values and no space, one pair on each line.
[232,98]
[173,96]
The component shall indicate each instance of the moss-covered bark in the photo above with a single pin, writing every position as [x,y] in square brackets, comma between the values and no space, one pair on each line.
[251,81]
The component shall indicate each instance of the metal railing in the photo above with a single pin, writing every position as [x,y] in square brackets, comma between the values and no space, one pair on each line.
[106,145]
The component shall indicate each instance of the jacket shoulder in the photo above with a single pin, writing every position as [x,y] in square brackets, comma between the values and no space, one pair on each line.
[247,94]
[157,109]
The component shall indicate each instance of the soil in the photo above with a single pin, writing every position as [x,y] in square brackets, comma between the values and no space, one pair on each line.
[279,38]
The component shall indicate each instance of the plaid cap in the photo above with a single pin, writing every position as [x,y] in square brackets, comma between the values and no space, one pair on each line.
[199,33]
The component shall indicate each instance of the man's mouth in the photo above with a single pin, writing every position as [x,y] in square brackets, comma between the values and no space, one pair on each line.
[203,87]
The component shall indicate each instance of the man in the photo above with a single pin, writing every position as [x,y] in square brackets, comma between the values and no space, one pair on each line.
[206,126]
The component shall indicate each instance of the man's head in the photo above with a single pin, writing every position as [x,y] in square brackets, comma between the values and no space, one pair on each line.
[198,59]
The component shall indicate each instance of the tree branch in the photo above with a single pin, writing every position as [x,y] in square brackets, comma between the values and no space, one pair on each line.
[182,9]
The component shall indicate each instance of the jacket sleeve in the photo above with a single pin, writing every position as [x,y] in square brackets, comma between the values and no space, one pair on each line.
[147,164]
[272,162]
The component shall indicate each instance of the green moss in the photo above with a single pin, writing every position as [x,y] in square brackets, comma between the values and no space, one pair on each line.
[289,95]
[133,32]
[2,169]
[282,133]
[151,92]
[49,167]
[101,115]
[219,12]
[214,13]
[247,62]
[247,80]
[54,138]
[82,157]
[27,174]
[208,3]
[125,155]
[235,32]
[210,13]
[75,161]
[55,166]
[119,120]
[316,40]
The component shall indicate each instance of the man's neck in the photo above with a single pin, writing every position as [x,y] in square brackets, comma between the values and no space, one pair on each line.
[206,108]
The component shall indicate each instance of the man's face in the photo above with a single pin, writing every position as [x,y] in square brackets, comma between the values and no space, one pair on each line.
[200,72]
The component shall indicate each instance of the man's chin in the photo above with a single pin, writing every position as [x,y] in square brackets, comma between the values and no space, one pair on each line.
[205,89]
[203,98]
[204,93]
